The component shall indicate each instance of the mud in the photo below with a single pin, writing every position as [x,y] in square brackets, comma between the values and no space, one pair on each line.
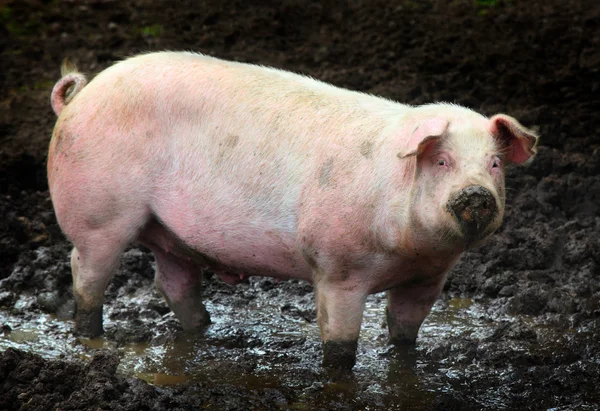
[518,325]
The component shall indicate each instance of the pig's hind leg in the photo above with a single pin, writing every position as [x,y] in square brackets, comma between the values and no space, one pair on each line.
[180,282]
[102,211]
[94,260]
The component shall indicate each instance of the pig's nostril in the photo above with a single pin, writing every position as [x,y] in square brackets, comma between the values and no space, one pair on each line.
[466,214]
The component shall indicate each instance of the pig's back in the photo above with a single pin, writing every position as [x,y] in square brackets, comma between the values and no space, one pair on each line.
[253,132]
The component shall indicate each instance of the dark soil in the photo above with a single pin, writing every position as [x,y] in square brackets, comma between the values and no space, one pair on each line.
[537,280]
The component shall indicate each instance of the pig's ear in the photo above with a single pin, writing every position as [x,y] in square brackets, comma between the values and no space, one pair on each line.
[518,142]
[427,133]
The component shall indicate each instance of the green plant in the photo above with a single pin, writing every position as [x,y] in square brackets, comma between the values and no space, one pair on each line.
[154,30]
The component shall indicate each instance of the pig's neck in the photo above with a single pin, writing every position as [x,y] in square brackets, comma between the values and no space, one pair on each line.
[400,231]
[425,239]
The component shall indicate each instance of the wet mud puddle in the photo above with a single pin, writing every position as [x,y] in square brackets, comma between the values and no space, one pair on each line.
[264,346]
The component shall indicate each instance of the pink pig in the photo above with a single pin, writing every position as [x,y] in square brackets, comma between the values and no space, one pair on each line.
[248,170]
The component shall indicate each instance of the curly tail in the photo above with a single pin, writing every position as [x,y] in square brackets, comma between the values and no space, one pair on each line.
[67,87]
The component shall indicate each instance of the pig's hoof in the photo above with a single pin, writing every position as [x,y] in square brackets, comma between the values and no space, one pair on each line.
[88,323]
[196,323]
[404,335]
[339,354]
[403,340]
[193,319]
[401,334]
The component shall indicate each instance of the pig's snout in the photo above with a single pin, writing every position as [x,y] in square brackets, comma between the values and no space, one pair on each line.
[474,207]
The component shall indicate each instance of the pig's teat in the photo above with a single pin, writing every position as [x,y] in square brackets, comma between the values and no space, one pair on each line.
[474,207]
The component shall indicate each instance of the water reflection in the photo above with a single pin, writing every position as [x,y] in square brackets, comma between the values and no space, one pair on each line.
[259,347]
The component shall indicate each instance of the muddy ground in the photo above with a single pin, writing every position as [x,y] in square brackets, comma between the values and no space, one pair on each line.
[518,326]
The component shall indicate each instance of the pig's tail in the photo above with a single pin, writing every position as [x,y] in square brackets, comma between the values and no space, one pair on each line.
[68,86]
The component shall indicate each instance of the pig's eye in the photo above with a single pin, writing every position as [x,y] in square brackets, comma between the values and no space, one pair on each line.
[496,162]
[441,160]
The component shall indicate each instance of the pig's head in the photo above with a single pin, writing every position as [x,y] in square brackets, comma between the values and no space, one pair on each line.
[458,192]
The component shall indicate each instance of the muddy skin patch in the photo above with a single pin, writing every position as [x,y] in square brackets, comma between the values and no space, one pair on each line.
[366,149]
[322,315]
[62,141]
[231,141]
[88,323]
[339,354]
[227,145]
[325,173]
[344,275]
[400,335]
[191,313]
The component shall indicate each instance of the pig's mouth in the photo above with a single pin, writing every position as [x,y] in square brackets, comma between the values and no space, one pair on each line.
[474,209]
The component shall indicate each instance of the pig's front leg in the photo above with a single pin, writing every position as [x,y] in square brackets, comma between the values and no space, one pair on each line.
[407,308]
[340,307]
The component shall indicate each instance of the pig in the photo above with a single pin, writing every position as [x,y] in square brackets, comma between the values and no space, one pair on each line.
[247,170]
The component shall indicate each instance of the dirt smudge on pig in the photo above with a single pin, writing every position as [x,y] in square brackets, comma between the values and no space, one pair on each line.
[62,140]
[226,147]
[325,173]
[231,141]
[366,149]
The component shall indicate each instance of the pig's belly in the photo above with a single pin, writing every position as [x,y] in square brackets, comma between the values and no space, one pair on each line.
[232,253]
